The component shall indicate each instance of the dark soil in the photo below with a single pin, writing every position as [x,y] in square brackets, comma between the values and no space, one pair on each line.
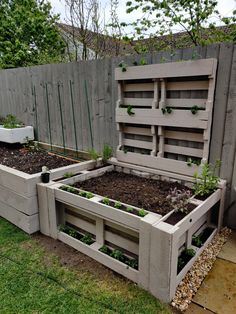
[133,190]
[176,217]
[29,161]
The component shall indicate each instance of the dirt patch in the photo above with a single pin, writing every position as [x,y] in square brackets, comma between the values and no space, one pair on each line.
[133,190]
[73,259]
[29,161]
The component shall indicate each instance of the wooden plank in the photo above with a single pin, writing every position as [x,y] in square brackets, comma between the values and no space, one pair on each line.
[175,69]
[80,223]
[185,136]
[185,103]
[137,130]
[138,102]
[188,151]
[142,87]
[122,242]
[156,117]
[188,85]
[138,144]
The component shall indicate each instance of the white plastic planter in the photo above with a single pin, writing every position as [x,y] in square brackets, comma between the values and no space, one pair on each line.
[17,135]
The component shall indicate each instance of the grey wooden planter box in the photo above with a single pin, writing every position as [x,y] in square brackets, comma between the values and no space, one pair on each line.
[18,194]
[156,243]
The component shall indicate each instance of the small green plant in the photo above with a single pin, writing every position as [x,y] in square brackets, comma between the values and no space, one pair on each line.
[123,66]
[93,154]
[143,61]
[117,254]
[31,145]
[191,162]
[72,233]
[130,110]
[83,193]
[106,153]
[179,199]
[69,189]
[106,201]
[118,205]
[67,175]
[194,109]
[196,241]
[89,195]
[105,249]
[133,263]
[207,181]
[189,252]
[129,209]
[166,110]
[11,122]
[142,213]
[87,239]
[135,63]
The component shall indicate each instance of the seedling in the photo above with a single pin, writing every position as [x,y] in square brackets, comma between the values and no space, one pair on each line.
[106,153]
[117,254]
[69,189]
[142,213]
[89,195]
[72,233]
[129,110]
[118,205]
[67,175]
[133,263]
[196,241]
[166,110]
[93,154]
[206,182]
[194,109]
[123,66]
[191,162]
[143,61]
[106,201]
[104,249]
[87,239]
[129,209]
[11,122]
[179,199]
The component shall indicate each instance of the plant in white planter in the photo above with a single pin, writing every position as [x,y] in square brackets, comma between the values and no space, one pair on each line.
[14,131]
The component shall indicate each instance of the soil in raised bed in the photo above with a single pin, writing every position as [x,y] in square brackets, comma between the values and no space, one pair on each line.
[144,193]
[29,161]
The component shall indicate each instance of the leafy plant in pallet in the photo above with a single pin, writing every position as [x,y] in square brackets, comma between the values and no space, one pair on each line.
[85,194]
[179,199]
[207,181]
[87,239]
[166,110]
[118,205]
[184,258]
[106,201]
[191,162]
[105,249]
[106,153]
[194,109]
[129,209]
[130,110]
[117,254]
[196,241]
[67,175]
[69,189]
[93,154]
[142,213]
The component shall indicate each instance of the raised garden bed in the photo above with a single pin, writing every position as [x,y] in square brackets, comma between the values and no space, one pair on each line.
[20,171]
[99,203]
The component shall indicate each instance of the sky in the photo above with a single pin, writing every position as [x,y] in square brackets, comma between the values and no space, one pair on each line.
[225,7]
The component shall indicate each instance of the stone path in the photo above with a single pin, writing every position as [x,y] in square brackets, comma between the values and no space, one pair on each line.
[217,293]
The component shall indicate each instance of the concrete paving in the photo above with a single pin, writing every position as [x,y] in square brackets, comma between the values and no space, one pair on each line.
[217,293]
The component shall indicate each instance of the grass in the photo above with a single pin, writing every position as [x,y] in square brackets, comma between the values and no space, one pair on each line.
[32,281]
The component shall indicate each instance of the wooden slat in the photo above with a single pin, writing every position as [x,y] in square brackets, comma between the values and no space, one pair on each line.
[155,117]
[188,85]
[173,69]
[138,102]
[136,130]
[138,144]
[185,103]
[80,223]
[185,136]
[142,87]
[122,242]
[188,151]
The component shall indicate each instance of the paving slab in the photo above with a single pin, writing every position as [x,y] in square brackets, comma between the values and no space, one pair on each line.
[196,309]
[218,291]
[228,251]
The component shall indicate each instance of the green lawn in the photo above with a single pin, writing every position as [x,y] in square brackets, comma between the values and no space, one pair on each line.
[32,281]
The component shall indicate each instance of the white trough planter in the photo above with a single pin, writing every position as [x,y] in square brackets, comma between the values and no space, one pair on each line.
[16,135]
[155,243]
[18,194]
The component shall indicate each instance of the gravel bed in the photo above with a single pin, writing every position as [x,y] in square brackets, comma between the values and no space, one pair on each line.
[192,281]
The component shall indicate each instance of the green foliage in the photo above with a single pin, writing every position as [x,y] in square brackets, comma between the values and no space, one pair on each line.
[194,18]
[28,34]
[106,153]
[133,263]
[196,241]
[118,205]
[11,122]
[129,209]
[123,66]
[87,239]
[166,110]
[69,189]
[32,145]
[105,249]
[85,194]
[106,201]
[143,61]
[130,110]
[93,154]
[67,175]
[142,213]
[194,109]
[117,254]
[191,162]
[184,258]
[207,181]
[179,200]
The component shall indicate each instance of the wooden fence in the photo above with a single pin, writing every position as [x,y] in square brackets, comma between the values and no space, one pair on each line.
[73,105]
